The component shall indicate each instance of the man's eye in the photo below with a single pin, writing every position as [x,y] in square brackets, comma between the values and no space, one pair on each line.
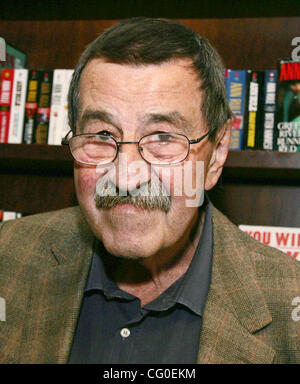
[104,133]
[164,137]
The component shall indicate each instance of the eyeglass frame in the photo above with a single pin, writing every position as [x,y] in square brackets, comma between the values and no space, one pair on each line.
[66,141]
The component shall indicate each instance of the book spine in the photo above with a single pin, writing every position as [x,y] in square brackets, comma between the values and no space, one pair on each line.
[43,112]
[259,114]
[31,106]
[18,106]
[56,110]
[246,111]
[252,127]
[287,126]
[269,107]
[65,127]
[15,58]
[236,87]
[10,215]
[7,78]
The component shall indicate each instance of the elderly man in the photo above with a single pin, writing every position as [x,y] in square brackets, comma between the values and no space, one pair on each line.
[146,270]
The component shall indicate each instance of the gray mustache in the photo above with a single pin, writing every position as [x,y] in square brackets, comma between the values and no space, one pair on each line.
[149,196]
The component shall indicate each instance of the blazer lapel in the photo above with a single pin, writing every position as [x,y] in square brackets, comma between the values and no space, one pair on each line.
[224,340]
[56,296]
[235,307]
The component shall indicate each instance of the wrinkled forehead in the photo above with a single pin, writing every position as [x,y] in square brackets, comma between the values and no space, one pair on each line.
[171,74]
[173,85]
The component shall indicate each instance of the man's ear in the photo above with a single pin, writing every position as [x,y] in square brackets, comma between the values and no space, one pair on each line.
[219,155]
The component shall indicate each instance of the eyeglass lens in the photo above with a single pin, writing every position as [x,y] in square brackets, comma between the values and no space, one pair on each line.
[163,148]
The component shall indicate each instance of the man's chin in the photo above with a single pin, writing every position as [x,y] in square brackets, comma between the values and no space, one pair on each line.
[134,252]
[126,230]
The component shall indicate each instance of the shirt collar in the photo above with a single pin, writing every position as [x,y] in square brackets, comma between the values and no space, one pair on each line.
[196,281]
[190,290]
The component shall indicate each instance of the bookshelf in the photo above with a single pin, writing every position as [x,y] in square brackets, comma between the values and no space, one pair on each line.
[38,178]
[257,187]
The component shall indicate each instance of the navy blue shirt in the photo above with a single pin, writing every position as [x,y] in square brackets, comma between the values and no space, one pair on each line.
[114,328]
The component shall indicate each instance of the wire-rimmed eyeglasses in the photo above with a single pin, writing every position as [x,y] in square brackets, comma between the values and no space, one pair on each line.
[162,148]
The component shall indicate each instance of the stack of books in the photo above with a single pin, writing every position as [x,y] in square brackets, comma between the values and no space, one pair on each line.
[266,107]
[33,105]
[265,104]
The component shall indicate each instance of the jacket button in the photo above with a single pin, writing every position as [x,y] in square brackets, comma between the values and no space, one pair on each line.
[125,332]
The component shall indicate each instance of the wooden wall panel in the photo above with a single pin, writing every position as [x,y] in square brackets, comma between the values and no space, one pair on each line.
[244,43]
[253,43]
[253,204]
[259,204]
[35,193]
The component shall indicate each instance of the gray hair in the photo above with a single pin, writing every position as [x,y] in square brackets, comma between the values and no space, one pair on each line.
[140,41]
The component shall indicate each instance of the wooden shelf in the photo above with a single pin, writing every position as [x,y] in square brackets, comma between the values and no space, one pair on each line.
[36,158]
[263,165]
[120,9]
[256,187]
[54,159]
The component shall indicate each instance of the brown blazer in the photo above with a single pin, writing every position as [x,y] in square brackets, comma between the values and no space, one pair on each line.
[44,264]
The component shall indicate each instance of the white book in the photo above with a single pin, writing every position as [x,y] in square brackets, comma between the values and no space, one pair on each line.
[286,239]
[65,128]
[17,111]
[56,109]
[9,215]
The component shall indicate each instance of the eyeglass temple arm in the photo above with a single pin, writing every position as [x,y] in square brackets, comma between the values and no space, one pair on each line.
[65,141]
[200,138]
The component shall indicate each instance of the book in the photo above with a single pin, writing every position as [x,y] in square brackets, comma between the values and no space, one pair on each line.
[7,78]
[65,127]
[15,58]
[286,239]
[58,126]
[287,126]
[56,110]
[17,106]
[252,138]
[235,81]
[31,105]
[9,215]
[40,135]
[269,108]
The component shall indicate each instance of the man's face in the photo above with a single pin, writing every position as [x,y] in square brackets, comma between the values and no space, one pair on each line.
[131,102]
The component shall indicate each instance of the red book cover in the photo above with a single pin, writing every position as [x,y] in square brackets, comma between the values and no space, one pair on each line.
[7,78]
[287,127]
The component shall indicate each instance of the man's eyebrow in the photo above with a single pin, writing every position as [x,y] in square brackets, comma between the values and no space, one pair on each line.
[90,115]
[175,118]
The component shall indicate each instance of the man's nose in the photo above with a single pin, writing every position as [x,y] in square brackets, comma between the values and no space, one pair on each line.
[132,170]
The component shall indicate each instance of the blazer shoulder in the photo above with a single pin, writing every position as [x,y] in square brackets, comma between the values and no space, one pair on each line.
[54,219]
[264,258]
[46,228]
